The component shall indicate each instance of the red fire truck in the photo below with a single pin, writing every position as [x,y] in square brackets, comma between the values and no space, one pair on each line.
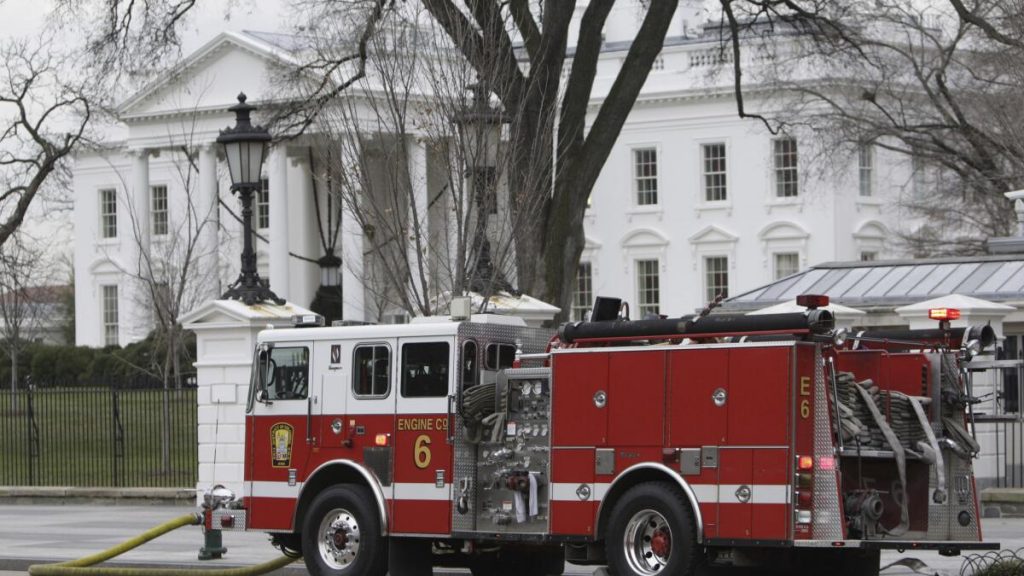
[650,446]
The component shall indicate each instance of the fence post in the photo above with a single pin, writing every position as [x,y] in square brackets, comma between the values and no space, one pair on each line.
[33,437]
[118,452]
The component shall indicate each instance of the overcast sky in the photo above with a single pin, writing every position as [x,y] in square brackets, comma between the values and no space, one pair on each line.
[208,18]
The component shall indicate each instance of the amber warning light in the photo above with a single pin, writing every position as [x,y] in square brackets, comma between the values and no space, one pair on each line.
[943,313]
[812,300]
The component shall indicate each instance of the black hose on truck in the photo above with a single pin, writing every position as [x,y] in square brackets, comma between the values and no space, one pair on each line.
[810,322]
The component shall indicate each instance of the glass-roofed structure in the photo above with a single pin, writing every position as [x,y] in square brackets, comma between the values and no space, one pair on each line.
[893,283]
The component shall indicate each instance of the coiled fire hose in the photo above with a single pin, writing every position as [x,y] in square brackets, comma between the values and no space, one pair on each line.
[84,566]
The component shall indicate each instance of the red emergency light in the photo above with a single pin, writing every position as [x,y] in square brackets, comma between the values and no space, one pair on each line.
[812,301]
[805,463]
[943,313]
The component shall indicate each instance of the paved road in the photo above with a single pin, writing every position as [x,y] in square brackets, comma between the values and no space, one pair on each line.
[32,534]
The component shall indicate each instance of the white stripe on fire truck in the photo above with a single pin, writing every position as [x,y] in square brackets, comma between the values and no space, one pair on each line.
[760,493]
[263,489]
[704,493]
[421,491]
[403,490]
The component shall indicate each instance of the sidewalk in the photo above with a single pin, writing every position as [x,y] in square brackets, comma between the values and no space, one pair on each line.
[36,534]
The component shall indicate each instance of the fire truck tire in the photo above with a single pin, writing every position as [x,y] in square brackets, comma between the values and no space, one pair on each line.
[651,531]
[341,534]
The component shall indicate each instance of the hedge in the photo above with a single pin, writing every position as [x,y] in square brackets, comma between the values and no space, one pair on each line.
[47,365]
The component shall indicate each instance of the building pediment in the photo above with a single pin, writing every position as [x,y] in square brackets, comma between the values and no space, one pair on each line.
[210,79]
[783,230]
[644,237]
[713,234]
[871,230]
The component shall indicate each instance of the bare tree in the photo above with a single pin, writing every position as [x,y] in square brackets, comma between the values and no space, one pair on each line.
[23,298]
[939,89]
[43,118]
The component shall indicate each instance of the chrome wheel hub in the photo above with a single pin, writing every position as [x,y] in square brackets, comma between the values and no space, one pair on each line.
[647,542]
[338,539]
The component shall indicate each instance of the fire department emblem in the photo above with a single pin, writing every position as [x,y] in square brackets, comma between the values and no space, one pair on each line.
[281,445]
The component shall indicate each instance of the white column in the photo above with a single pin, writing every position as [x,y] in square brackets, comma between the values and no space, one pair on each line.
[207,211]
[135,305]
[354,291]
[140,210]
[457,196]
[277,171]
[418,220]
[304,276]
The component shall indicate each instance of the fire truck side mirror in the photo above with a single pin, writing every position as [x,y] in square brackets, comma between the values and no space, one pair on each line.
[263,359]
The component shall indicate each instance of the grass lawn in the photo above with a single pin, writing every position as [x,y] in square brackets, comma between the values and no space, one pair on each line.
[81,444]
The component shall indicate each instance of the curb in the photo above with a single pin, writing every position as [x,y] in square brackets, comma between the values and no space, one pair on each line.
[1002,502]
[115,496]
[22,564]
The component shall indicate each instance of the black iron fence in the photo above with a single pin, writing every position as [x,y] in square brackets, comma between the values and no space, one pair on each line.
[98,437]
[1009,452]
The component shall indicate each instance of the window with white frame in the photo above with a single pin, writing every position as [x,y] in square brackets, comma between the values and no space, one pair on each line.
[713,160]
[648,286]
[110,315]
[866,169]
[645,175]
[785,163]
[868,256]
[263,205]
[786,264]
[108,213]
[584,293]
[158,206]
[716,277]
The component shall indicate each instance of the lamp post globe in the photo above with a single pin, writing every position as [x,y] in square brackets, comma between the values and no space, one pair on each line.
[245,147]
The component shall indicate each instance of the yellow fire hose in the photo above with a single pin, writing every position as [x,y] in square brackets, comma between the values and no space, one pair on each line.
[84,566]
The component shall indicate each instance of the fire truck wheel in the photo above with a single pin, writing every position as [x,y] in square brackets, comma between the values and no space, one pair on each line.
[341,534]
[651,531]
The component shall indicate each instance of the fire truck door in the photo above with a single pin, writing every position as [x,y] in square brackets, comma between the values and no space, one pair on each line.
[331,391]
[281,431]
[422,451]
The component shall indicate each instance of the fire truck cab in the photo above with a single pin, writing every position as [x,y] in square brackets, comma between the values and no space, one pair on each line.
[650,446]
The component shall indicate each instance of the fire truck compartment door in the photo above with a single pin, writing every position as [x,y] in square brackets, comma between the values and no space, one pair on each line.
[422,452]
[280,426]
[735,492]
[580,397]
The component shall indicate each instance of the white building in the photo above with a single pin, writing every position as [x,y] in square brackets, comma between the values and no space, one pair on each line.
[692,200]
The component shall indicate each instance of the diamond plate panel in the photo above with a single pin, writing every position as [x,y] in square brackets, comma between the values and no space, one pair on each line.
[827,517]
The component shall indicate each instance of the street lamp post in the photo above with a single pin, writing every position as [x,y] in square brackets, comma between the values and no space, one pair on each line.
[245,146]
[481,135]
